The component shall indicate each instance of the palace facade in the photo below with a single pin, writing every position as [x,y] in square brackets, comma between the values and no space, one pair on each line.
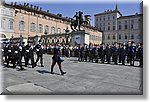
[118,28]
[33,23]
[7,14]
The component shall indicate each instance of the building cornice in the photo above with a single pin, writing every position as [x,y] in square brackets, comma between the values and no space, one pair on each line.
[108,12]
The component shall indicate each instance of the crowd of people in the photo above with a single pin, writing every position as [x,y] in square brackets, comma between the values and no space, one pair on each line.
[14,52]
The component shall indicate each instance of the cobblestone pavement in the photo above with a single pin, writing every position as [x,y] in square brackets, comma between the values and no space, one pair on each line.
[81,78]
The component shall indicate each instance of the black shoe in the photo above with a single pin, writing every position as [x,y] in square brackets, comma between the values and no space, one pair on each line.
[52,72]
[63,73]
[42,66]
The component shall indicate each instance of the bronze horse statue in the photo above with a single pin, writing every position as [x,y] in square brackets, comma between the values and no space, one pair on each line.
[78,21]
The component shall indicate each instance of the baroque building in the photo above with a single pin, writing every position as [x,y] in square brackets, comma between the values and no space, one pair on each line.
[118,28]
[33,23]
[7,14]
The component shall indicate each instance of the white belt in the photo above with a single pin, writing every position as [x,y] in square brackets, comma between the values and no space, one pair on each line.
[16,51]
[27,50]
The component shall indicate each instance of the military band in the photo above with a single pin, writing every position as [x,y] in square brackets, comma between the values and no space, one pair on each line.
[126,53]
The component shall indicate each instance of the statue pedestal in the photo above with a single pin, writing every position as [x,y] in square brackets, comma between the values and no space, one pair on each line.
[80,37]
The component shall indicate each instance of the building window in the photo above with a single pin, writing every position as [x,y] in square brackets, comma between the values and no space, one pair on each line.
[104,19]
[104,37]
[58,30]
[3,23]
[126,27]
[132,36]
[47,29]
[119,36]
[97,19]
[114,37]
[108,27]
[132,21]
[32,27]
[103,24]
[119,27]
[64,30]
[113,17]
[108,37]
[40,28]
[21,25]
[53,30]
[113,27]
[131,26]
[108,17]
[100,19]
[103,28]
[126,37]
[11,24]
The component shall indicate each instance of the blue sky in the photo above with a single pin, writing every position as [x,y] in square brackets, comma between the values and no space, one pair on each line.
[69,9]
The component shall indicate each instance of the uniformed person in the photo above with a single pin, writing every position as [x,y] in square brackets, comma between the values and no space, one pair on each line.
[123,52]
[10,53]
[115,50]
[22,50]
[103,51]
[39,52]
[132,53]
[17,56]
[108,53]
[29,53]
[140,54]
[85,52]
[56,59]
[119,53]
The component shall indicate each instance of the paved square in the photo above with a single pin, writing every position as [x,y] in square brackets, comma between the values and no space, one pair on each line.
[81,78]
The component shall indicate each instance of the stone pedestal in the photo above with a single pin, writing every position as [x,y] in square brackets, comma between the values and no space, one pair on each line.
[79,37]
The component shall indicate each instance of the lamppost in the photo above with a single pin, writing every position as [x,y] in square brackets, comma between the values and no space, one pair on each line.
[67,35]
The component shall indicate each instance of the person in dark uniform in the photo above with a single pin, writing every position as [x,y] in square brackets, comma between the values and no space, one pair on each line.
[17,56]
[81,53]
[10,53]
[95,54]
[39,52]
[22,50]
[103,51]
[85,52]
[115,50]
[56,59]
[29,53]
[5,51]
[128,51]
[119,53]
[123,52]
[140,54]
[108,53]
[99,51]
[132,53]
